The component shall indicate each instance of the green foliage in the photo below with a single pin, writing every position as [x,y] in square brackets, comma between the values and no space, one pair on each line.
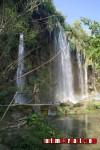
[89,105]
[50,24]
[30,39]
[28,65]
[3,94]
[48,7]
[53,16]
[90,44]
[79,108]
[34,119]
[61,18]
[32,137]
[93,41]
[62,110]
[44,83]
[94,26]
[43,128]
[76,35]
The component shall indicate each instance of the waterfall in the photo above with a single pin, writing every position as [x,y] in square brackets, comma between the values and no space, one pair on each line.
[20,82]
[64,77]
[94,80]
[95,88]
[86,80]
[80,68]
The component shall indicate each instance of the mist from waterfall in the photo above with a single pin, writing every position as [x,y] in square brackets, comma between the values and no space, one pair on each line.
[80,68]
[64,76]
[20,82]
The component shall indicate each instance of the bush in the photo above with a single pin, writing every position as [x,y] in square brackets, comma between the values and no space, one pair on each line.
[31,137]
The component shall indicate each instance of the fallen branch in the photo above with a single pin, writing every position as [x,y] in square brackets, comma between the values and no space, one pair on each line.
[24,118]
[29,105]
[8,108]
[21,123]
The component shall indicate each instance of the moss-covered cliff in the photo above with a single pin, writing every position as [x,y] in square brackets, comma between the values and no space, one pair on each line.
[36,20]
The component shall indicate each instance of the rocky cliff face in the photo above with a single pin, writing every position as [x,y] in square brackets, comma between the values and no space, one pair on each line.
[37,26]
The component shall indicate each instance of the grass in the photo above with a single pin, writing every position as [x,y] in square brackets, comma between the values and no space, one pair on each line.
[79,108]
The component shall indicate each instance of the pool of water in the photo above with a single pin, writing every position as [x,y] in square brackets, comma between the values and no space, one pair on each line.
[79,126]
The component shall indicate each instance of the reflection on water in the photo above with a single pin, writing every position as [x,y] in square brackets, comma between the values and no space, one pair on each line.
[86,123]
[79,126]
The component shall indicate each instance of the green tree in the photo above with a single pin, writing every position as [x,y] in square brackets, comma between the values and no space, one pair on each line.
[93,41]
[76,35]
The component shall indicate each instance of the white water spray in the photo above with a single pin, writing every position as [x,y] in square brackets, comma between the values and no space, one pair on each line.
[20,82]
[86,80]
[81,83]
[64,75]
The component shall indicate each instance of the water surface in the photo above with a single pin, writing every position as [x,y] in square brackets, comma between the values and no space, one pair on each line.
[79,126]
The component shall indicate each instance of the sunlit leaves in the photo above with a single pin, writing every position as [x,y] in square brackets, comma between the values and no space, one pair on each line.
[94,26]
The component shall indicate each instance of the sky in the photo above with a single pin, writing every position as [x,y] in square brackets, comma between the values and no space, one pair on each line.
[74,9]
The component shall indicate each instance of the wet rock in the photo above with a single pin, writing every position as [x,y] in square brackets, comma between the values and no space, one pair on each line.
[52,111]
[67,103]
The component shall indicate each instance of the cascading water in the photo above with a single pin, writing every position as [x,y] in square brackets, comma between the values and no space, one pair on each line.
[20,82]
[64,76]
[86,80]
[94,80]
[81,80]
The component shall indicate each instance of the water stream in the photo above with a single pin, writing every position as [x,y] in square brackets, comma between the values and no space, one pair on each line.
[86,80]
[20,82]
[64,76]
[81,82]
